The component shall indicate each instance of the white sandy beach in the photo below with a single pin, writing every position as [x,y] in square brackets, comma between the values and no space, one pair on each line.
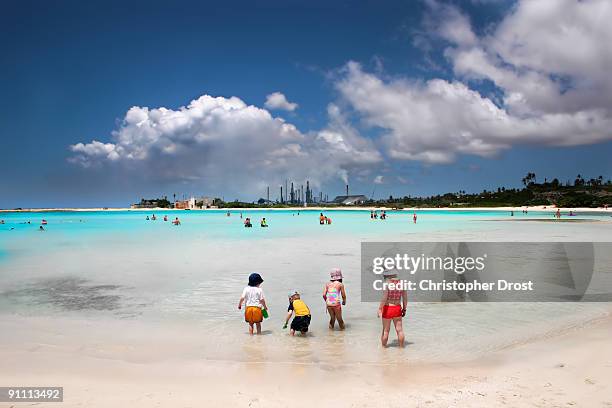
[566,369]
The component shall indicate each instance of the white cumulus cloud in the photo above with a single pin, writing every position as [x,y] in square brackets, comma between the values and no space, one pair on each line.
[278,101]
[222,141]
[550,61]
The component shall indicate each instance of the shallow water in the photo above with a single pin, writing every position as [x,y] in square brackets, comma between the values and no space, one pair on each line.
[115,267]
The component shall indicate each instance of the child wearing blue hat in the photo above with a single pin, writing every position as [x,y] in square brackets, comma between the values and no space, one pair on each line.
[253,298]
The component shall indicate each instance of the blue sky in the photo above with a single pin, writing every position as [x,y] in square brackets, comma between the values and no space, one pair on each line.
[70,71]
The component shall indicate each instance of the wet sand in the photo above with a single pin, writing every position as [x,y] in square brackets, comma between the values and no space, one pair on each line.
[565,369]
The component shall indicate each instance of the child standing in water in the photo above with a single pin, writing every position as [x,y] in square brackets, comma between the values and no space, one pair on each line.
[335,297]
[301,321]
[392,308]
[253,298]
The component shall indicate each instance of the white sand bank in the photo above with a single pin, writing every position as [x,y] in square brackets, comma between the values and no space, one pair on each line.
[570,369]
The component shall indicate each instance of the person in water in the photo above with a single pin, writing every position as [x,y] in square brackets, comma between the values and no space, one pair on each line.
[176,221]
[247,223]
[414,218]
[41,228]
[153,217]
[392,308]
[264,223]
[147,218]
[334,296]
[254,301]
[327,220]
[321,219]
[165,218]
[301,321]
[558,214]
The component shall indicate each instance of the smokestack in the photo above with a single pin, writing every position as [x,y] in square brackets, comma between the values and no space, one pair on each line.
[347,190]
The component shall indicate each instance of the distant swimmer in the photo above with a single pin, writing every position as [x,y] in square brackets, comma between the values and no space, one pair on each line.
[321,219]
[165,218]
[153,217]
[228,214]
[264,223]
[41,228]
[247,223]
[240,215]
[414,218]
[327,220]
[147,218]
[558,214]
[571,213]
[383,215]
[44,222]
[512,213]
[176,221]
[1,221]
[371,214]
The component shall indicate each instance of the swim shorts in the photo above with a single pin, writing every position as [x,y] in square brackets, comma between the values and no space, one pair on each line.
[391,311]
[253,314]
[300,323]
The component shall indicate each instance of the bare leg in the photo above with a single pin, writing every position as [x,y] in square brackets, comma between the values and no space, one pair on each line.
[399,329]
[251,329]
[332,317]
[386,323]
[258,328]
[339,317]
[292,332]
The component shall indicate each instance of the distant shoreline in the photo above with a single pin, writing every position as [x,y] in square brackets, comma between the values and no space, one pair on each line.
[323,209]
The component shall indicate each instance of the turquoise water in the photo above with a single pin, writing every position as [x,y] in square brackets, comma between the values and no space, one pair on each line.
[282,223]
[78,228]
[111,266]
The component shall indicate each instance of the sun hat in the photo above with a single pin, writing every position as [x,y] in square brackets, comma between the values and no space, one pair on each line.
[255,279]
[292,292]
[335,274]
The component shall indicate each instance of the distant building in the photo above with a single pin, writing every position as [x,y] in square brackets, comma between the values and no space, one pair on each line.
[189,204]
[204,202]
[350,199]
[194,203]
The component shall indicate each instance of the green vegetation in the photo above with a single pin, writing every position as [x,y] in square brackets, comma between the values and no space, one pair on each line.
[582,193]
